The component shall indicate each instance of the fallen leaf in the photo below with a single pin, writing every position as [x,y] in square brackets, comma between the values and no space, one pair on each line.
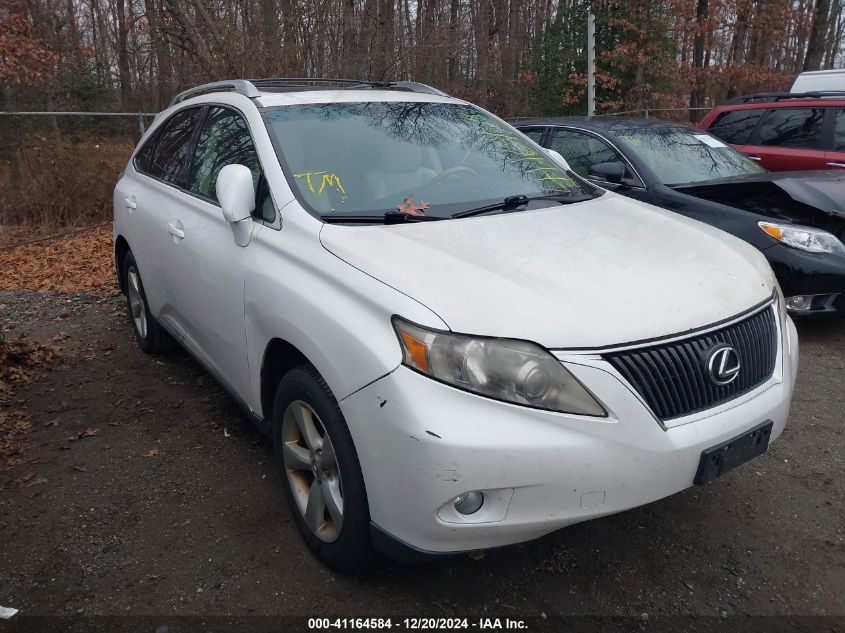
[89,433]
[153,452]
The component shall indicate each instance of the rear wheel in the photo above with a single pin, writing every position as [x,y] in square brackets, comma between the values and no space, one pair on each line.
[151,337]
[320,472]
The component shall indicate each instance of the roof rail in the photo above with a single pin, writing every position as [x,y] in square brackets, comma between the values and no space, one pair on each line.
[415,86]
[251,87]
[308,82]
[779,96]
[296,83]
[241,86]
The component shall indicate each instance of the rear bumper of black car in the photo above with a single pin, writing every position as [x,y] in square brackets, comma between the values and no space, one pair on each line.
[818,276]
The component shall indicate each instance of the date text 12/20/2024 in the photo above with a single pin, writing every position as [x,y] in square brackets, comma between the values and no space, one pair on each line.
[418,624]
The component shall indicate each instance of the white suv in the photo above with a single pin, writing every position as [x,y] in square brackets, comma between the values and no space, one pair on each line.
[453,341]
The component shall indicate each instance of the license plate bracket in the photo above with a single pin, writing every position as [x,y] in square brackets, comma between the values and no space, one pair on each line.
[718,460]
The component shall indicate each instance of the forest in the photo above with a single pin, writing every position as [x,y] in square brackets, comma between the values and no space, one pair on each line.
[516,57]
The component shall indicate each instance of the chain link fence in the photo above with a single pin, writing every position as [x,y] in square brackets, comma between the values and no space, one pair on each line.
[677,115]
[58,169]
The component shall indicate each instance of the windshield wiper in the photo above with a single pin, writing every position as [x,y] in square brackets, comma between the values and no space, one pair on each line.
[512,202]
[391,217]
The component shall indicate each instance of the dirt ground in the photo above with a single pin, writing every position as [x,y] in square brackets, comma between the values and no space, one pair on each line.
[144,491]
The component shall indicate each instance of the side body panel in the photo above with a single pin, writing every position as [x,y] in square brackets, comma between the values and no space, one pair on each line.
[142,210]
[785,158]
[336,315]
[834,160]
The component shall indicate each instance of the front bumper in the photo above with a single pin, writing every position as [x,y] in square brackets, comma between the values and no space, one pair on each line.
[820,275]
[421,443]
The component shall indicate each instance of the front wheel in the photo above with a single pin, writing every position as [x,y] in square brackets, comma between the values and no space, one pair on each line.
[320,472]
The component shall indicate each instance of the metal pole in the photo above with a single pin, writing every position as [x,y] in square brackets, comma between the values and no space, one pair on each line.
[591,64]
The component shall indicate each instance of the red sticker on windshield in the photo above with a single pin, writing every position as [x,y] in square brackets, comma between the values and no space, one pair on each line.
[411,207]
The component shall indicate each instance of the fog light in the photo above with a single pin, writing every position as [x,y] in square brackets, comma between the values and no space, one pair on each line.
[799,302]
[469,502]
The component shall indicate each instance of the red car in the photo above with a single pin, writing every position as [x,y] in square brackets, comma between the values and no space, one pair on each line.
[784,131]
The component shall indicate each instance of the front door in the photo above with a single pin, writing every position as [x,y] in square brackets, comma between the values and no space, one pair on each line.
[208,266]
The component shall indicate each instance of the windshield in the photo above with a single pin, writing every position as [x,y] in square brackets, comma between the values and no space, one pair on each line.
[679,156]
[434,159]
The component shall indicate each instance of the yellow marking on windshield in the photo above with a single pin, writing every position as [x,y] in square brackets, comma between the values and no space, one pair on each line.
[327,179]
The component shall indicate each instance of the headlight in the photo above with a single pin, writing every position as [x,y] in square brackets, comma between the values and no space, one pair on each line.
[505,369]
[803,237]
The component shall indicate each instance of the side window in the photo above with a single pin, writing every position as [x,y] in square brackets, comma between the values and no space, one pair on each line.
[735,126]
[839,135]
[144,157]
[534,133]
[171,150]
[792,127]
[582,151]
[225,140]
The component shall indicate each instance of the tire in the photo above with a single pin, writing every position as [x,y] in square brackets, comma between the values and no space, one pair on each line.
[151,337]
[310,476]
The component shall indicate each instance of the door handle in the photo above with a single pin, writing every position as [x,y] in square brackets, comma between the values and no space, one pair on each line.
[176,229]
[131,204]
[836,165]
[757,158]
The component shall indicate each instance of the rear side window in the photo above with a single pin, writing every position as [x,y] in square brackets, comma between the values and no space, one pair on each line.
[735,126]
[171,150]
[839,136]
[144,157]
[225,140]
[792,127]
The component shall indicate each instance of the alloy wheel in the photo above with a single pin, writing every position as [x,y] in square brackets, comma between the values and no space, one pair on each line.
[312,471]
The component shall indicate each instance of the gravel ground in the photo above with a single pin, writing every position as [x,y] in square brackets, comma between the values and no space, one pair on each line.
[173,508]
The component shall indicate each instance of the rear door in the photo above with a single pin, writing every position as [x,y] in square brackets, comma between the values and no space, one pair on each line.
[790,139]
[209,267]
[835,158]
[151,197]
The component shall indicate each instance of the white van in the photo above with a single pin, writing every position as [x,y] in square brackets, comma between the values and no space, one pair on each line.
[817,80]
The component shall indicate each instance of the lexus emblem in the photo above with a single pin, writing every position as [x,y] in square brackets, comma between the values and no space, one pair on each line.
[723,365]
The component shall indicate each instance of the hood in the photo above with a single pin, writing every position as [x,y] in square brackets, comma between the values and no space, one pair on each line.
[806,197]
[603,272]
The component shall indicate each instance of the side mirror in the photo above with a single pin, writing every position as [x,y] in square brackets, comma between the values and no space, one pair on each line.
[235,192]
[608,172]
[560,160]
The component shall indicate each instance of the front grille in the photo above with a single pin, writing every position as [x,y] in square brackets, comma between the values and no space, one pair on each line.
[673,377]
